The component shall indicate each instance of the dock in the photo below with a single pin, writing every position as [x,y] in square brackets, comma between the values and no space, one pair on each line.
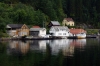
[37,38]
[91,36]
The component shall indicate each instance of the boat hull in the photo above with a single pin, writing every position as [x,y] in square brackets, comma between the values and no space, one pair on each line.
[76,37]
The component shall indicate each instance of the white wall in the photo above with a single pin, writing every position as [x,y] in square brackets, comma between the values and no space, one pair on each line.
[11,32]
[42,32]
[61,33]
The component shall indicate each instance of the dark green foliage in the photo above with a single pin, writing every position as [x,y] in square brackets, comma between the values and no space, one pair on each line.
[39,18]
[92,31]
[34,12]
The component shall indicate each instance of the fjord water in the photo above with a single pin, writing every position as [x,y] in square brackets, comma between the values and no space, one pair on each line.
[62,52]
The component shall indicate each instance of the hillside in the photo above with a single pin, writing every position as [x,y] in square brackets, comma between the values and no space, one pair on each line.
[37,12]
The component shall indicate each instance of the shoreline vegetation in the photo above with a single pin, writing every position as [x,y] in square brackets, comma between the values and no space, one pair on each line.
[36,13]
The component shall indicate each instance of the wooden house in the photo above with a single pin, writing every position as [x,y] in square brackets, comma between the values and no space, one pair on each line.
[16,30]
[68,22]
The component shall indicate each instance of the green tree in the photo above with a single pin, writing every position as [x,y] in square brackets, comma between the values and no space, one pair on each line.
[72,8]
[39,18]
[98,5]
[59,9]
[23,14]
[4,16]
[79,11]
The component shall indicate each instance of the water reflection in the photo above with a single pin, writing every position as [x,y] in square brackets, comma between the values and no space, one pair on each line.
[79,43]
[57,45]
[38,45]
[67,46]
[80,52]
[18,47]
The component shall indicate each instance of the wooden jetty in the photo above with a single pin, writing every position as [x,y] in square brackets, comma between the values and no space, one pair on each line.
[91,36]
[37,38]
[76,37]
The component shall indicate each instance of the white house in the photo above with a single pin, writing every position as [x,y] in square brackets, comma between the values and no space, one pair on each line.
[38,32]
[59,31]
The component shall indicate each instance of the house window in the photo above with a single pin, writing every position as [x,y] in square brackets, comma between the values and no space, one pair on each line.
[82,33]
[64,33]
[57,29]
[60,34]
[63,29]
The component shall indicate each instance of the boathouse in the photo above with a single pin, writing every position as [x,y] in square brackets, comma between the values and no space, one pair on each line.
[78,32]
[37,32]
[16,30]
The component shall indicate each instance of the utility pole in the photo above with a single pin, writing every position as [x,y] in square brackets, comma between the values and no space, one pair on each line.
[43,24]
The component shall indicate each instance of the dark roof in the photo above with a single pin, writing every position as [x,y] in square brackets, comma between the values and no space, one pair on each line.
[37,29]
[55,22]
[60,28]
[15,25]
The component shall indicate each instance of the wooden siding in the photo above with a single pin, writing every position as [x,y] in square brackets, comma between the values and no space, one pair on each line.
[24,30]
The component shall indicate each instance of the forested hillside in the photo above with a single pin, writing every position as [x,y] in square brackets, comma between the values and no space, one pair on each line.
[37,12]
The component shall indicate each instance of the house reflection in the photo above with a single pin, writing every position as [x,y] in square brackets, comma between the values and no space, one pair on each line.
[66,45]
[42,45]
[38,45]
[57,45]
[34,45]
[79,43]
[18,47]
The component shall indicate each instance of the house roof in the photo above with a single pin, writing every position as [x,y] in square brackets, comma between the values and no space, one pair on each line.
[60,27]
[77,31]
[55,22]
[36,29]
[68,19]
[15,25]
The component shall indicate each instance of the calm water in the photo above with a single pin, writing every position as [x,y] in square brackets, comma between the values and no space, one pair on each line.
[64,52]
